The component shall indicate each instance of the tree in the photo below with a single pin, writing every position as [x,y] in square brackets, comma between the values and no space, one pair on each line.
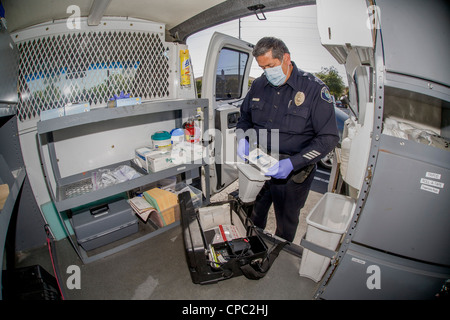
[198,84]
[333,80]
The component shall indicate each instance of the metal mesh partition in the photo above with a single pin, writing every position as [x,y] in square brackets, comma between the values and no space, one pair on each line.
[90,66]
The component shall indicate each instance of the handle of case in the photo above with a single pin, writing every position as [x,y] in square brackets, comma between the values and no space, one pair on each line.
[103,208]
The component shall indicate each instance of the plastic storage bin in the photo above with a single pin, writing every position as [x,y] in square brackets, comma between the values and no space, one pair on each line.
[196,194]
[251,180]
[326,223]
[167,183]
[30,283]
[114,221]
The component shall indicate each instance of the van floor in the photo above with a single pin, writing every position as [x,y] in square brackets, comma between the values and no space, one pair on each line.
[157,269]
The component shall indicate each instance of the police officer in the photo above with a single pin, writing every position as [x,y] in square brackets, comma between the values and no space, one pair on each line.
[296,107]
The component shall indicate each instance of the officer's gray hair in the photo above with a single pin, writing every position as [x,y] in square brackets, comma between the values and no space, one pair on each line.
[270,43]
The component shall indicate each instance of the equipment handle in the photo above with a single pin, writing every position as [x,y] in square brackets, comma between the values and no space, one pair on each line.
[103,208]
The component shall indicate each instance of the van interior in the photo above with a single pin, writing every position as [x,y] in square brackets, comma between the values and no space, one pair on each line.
[100,110]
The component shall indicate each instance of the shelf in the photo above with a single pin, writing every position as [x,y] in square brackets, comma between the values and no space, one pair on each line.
[87,258]
[415,85]
[105,114]
[7,111]
[415,150]
[77,190]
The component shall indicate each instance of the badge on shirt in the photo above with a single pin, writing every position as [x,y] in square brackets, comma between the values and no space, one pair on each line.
[325,95]
[299,98]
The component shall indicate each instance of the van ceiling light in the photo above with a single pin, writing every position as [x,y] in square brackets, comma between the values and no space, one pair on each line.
[97,11]
[259,7]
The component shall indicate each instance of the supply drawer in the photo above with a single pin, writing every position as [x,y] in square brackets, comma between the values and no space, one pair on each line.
[369,274]
[404,213]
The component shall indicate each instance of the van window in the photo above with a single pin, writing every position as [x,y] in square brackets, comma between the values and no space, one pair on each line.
[230,74]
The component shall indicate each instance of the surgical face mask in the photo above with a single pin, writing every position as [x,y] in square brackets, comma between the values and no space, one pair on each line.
[275,75]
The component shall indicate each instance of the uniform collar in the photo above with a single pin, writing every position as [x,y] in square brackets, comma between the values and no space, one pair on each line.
[293,79]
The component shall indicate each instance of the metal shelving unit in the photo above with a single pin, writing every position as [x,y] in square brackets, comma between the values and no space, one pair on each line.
[76,190]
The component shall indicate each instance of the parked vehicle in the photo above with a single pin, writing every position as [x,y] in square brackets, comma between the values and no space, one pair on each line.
[327,161]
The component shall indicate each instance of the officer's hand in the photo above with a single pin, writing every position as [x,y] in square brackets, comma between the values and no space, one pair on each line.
[281,169]
[242,149]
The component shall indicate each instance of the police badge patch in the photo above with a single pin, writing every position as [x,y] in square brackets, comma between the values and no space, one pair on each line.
[299,98]
[325,95]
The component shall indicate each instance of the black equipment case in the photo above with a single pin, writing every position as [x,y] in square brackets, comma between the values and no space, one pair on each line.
[222,242]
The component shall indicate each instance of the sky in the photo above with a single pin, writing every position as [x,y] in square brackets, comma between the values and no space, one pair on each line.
[297,27]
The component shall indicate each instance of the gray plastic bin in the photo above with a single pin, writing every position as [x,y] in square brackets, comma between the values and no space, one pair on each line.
[114,221]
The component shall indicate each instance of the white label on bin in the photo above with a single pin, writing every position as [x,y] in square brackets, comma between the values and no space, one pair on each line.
[432,183]
[358,260]
[433,175]
[429,189]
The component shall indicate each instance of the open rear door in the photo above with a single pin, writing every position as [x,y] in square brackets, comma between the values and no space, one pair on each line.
[225,83]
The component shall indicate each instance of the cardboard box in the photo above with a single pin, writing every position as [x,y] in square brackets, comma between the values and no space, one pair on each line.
[52,114]
[124,102]
[153,160]
[77,108]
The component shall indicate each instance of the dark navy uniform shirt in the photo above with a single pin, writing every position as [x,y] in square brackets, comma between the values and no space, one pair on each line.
[301,109]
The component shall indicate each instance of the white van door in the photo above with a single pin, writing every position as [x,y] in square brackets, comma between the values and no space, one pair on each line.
[225,83]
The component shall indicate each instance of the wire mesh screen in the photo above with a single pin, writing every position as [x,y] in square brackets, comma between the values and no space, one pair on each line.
[90,66]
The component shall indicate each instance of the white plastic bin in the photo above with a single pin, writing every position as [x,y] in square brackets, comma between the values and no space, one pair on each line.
[251,180]
[326,223]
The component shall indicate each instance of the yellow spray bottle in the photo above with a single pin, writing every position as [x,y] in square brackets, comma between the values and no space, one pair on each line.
[185,68]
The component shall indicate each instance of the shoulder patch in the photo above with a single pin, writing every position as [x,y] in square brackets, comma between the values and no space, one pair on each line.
[325,95]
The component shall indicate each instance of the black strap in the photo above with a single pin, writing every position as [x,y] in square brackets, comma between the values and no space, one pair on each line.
[255,271]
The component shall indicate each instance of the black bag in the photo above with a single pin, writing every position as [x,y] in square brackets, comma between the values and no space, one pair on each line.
[215,254]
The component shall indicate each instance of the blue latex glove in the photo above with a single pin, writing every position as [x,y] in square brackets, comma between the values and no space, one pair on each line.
[122,96]
[281,169]
[243,149]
